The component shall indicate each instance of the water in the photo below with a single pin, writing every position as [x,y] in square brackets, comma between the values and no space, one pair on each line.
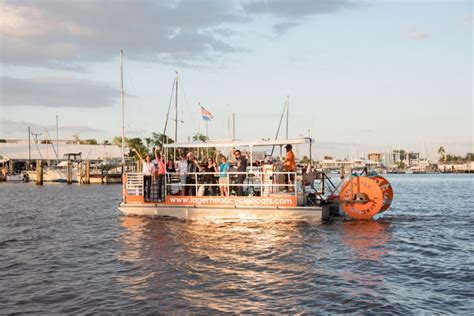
[66,249]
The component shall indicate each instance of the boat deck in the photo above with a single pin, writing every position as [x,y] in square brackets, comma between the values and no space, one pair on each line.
[226,212]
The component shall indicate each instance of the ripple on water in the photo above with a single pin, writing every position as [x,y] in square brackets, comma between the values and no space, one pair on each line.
[66,249]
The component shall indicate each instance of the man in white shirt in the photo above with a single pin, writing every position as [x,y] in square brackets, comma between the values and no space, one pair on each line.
[182,168]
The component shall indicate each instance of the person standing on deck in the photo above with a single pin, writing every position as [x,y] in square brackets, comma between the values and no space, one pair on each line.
[223,177]
[160,176]
[209,177]
[193,168]
[241,169]
[182,168]
[148,169]
[290,166]
[170,170]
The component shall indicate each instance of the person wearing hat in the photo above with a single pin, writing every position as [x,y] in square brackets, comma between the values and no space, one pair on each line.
[290,166]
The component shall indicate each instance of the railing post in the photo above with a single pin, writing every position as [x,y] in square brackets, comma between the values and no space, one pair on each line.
[288,183]
[294,186]
[195,184]
[165,182]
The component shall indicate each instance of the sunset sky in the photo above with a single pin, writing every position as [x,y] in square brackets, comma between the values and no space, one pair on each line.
[361,75]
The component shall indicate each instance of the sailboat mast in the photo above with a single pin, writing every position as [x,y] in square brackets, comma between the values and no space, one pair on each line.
[233,126]
[287,114]
[169,110]
[29,147]
[279,124]
[228,121]
[176,115]
[122,96]
[57,138]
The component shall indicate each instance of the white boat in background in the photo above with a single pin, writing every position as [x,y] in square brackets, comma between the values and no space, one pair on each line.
[6,171]
[3,167]
[56,174]
[20,177]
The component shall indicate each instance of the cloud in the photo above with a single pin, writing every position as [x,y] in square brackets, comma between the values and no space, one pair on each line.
[296,8]
[56,92]
[290,14]
[281,28]
[136,132]
[67,34]
[10,127]
[415,34]
[71,34]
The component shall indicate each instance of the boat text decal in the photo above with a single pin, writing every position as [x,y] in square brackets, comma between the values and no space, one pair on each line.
[232,200]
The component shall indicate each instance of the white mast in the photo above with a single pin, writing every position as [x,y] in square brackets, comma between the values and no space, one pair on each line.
[57,138]
[207,128]
[228,122]
[122,96]
[233,126]
[176,116]
[29,147]
[287,114]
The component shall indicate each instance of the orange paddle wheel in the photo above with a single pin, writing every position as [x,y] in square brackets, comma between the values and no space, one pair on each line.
[363,197]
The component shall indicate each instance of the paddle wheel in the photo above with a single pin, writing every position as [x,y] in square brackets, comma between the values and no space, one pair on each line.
[363,197]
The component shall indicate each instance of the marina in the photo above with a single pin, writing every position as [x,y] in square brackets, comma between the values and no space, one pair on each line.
[101,164]
[71,163]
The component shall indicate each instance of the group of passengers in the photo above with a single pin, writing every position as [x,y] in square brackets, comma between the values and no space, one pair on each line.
[188,167]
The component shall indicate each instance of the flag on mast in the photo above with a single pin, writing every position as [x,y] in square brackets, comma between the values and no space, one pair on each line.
[206,115]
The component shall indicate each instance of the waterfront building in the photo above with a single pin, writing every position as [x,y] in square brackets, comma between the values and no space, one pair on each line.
[376,157]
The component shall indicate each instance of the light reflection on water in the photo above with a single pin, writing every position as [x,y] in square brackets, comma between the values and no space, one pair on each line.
[226,260]
[366,238]
[64,253]
[242,266]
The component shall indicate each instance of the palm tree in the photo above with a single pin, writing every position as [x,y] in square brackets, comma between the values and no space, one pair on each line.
[159,140]
[148,141]
[442,154]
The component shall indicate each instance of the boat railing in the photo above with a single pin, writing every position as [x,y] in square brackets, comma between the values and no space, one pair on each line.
[256,182]
[134,183]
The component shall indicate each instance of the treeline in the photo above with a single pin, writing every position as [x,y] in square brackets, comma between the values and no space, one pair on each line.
[79,142]
[145,145]
[458,159]
[445,158]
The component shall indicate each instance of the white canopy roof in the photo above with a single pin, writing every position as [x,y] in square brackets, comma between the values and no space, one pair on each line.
[240,143]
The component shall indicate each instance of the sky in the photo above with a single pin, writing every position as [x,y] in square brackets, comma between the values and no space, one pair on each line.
[360,76]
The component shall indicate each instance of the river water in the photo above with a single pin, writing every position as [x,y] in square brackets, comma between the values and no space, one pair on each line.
[66,249]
